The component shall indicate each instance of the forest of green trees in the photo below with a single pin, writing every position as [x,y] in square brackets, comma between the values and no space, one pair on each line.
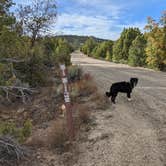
[134,47]
[26,55]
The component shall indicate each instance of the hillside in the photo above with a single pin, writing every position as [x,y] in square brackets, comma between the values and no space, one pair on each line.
[77,41]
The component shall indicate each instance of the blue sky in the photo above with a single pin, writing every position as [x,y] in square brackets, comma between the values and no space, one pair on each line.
[103,18]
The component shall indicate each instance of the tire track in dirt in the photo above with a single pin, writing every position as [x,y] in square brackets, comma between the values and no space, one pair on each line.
[128,133]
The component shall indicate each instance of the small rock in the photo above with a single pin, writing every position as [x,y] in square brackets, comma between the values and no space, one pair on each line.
[104,136]
[109,116]
[20,110]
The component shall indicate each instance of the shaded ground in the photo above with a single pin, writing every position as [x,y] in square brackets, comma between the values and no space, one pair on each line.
[128,133]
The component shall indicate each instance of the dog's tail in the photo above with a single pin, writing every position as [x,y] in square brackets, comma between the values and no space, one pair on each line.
[108,94]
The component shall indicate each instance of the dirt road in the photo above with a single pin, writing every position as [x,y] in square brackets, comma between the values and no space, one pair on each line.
[128,133]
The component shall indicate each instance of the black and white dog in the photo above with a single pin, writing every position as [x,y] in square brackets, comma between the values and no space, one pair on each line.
[124,87]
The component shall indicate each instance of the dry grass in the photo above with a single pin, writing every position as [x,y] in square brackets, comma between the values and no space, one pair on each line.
[84,115]
[49,129]
[54,136]
[57,135]
[87,77]
[101,101]
[82,89]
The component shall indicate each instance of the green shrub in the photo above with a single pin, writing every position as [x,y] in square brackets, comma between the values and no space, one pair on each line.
[32,71]
[10,128]
[84,115]
[5,73]
[7,128]
[74,73]
[27,128]
[122,61]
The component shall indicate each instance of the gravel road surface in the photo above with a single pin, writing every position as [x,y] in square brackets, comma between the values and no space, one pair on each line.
[128,133]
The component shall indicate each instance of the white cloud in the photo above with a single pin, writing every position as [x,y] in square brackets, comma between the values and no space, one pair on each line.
[98,26]
[104,7]
[100,18]
[75,19]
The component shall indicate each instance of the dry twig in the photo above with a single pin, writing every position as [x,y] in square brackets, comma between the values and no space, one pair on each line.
[11,151]
[21,92]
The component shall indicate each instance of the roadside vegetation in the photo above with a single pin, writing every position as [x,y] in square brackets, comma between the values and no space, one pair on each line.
[26,56]
[31,92]
[32,121]
[134,47]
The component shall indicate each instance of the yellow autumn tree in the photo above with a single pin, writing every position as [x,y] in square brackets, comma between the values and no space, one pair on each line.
[156,43]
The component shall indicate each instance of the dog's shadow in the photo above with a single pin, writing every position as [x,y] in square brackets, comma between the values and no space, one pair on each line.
[109,102]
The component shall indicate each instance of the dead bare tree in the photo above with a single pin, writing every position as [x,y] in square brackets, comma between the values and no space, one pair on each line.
[37,17]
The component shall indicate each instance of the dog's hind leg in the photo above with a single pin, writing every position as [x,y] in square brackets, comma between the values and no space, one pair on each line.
[113,97]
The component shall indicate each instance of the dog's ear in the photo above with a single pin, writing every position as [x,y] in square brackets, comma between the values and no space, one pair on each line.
[131,79]
[133,82]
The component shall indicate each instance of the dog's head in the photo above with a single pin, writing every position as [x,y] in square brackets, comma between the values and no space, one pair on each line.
[107,94]
[133,82]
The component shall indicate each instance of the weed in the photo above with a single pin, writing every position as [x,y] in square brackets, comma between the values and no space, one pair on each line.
[74,73]
[10,128]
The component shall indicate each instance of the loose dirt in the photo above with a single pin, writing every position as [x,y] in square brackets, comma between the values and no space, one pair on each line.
[128,133]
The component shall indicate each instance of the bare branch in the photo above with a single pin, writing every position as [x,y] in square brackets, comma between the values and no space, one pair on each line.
[10,150]
[14,90]
[12,60]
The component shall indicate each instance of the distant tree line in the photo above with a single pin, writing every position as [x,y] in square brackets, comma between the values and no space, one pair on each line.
[133,47]
[76,41]
[26,55]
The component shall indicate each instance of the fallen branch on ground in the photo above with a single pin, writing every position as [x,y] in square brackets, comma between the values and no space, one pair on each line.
[23,92]
[10,150]
[12,60]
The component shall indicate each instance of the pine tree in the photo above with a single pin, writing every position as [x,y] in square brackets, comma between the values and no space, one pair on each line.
[6,18]
[137,55]
[88,47]
[108,55]
[104,50]
[122,45]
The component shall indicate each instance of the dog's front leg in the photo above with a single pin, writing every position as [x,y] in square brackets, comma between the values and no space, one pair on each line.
[129,96]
